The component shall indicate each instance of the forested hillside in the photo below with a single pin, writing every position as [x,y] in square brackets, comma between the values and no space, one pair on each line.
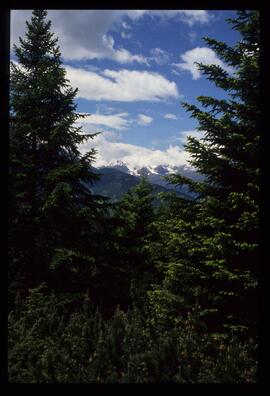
[129,291]
[114,184]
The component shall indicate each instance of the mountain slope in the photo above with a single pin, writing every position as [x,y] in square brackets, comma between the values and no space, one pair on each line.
[115,183]
[156,174]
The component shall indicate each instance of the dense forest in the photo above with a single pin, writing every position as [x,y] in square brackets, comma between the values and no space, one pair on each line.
[131,291]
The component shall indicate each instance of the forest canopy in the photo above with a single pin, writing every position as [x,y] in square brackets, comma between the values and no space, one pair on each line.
[131,291]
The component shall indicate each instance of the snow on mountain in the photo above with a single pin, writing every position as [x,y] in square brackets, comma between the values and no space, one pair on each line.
[119,165]
[160,170]
[155,174]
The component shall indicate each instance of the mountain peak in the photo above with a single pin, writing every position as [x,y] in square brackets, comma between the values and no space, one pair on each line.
[160,170]
[155,174]
[119,165]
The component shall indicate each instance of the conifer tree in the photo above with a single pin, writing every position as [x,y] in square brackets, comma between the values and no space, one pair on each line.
[136,236]
[53,214]
[222,238]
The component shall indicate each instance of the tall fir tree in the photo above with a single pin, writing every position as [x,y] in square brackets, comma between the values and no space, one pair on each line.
[55,221]
[136,235]
[221,240]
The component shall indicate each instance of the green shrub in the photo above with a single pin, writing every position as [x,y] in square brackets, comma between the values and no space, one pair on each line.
[47,345]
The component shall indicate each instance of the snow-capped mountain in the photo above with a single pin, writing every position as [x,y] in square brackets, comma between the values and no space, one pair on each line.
[114,183]
[161,170]
[156,174]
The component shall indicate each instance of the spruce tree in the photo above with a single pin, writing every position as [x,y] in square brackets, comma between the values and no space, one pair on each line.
[221,240]
[136,235]
[54,218]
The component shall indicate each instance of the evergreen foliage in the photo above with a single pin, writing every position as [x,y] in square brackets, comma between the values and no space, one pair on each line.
[136,235]
[49,200]
[132,292]
[47,345]
[215,251]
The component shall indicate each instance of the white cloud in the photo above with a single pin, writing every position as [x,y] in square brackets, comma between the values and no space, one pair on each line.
[170,116]
[144,119]
[87,34]
[160,56]
[115,121]
[119,55]
[183,135]
[179,138]
[190,17]
[82,34]
[201,55]
[121,85]
[118,121]
[133,155]
[111,136]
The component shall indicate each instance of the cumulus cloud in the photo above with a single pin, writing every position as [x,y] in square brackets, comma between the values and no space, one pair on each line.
[114,121]
[144,119]
[83,34]
[201,55]
[87,34]
[133,155]
[120,55]
[121,85]
[170,116]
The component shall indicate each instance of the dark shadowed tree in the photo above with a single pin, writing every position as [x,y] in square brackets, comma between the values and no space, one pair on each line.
[136,235]
[55,221]
[216,252]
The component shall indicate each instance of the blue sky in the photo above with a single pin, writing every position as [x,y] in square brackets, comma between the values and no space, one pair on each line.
[133,68]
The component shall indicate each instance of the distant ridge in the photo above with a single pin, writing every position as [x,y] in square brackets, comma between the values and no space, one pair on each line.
[114,183]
